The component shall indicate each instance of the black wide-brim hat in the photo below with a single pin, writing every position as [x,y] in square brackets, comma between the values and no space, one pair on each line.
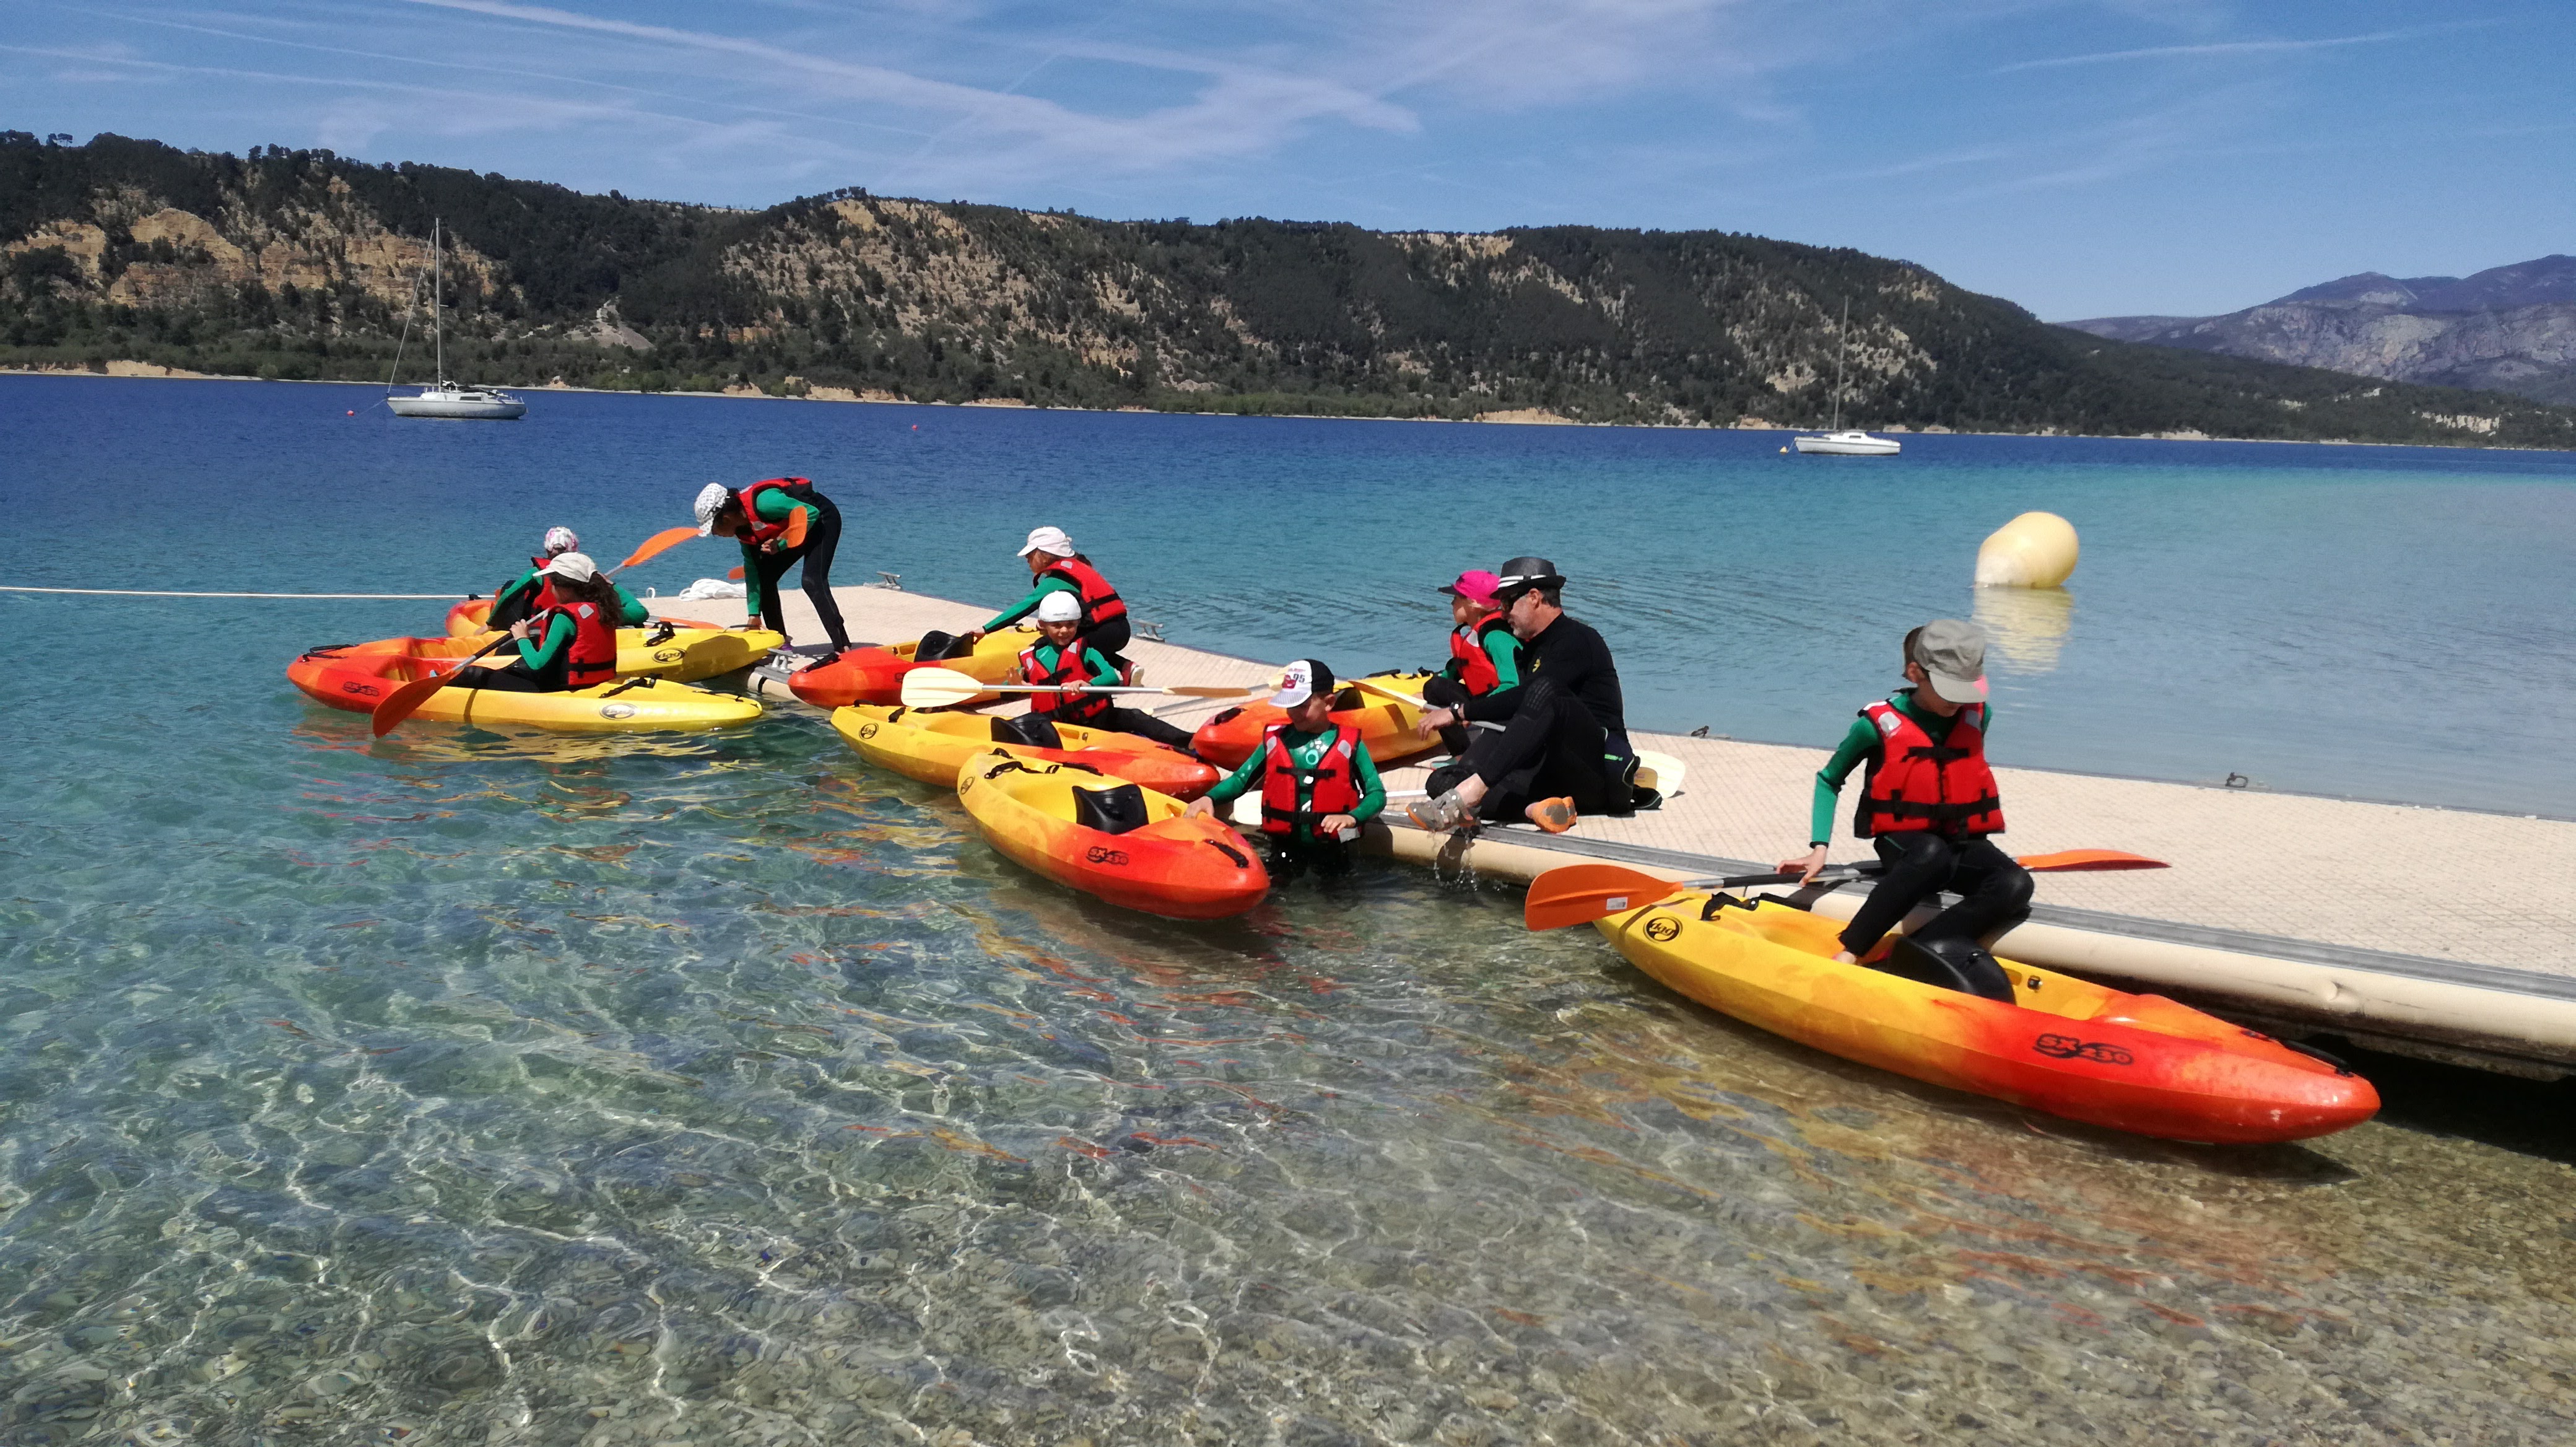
[1522,574]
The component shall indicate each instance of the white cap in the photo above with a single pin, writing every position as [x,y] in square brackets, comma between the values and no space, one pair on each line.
[561,540]
[1296,684]
[1059,606]
[576,566]
[1048,540]
[710,498]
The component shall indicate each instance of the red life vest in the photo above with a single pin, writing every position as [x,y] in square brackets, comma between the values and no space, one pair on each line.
[1331,787]
[1068,669]
[1100,602]
[592,656]
[754,531]
[1915,783]
[1467,647]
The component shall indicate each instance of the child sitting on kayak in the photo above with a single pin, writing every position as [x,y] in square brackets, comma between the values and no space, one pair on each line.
[570,645]
[1318,785]
[1483,654]
[1929,806]
[1072,668]
[529,596]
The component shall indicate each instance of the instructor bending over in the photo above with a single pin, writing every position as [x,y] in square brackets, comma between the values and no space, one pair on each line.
[778,522]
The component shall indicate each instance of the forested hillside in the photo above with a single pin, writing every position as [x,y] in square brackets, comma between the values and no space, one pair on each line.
[305,264]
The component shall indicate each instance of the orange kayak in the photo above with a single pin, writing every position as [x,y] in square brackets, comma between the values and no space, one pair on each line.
[932,747]
[1125,843]
[1386,727]
[358,676]
[2066,1046]
[875,675]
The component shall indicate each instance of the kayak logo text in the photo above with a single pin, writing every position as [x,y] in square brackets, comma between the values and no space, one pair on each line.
[369,689]
[1663,929]
[1098,855]
[2067,1047]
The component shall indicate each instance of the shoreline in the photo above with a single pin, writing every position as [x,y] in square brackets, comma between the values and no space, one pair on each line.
[134,371]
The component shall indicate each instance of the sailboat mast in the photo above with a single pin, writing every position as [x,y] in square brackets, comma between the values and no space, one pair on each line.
[438,284]
[1840,362]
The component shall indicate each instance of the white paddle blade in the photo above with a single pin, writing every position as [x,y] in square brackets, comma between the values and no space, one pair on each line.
[938,688]
[1247,809]
[1659,772]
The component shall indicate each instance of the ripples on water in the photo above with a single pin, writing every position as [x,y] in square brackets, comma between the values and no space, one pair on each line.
[470,1088]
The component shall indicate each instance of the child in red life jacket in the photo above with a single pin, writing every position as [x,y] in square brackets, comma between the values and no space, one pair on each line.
[1318,785]
[529,595]
[1072,667]
[570,645]
[1055,567]
[779,521]
[1483,654]
[1929,806]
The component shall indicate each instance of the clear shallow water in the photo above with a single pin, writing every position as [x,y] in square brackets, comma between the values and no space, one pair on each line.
[484,1089]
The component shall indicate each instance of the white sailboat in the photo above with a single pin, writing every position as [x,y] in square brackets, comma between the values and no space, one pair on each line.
[1836,442]
[442,398]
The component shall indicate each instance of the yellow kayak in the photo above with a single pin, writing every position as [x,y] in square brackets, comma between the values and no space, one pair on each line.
[676,649]
[932,747]
[357,677]
[1111,838]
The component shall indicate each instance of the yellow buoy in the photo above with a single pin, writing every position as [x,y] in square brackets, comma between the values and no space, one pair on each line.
[2035,550]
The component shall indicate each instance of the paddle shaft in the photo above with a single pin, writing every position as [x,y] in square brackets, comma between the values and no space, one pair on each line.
[405,701]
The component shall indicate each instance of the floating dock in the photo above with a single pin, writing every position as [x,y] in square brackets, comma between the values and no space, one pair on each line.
[2443,933]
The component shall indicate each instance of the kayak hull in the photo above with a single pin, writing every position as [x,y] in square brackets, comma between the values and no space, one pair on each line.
[692,650]
[1174,865]
[357,677]
[933,747]
[875,674]
[2139,1063]
[1386,727]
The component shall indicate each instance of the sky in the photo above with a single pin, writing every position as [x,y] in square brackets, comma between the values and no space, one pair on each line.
[2117,157]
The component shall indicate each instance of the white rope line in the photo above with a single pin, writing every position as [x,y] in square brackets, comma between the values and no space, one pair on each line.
[159,593]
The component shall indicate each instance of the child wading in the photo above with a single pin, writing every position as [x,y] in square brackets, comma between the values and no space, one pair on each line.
[1483,654]
[1317,784]
[570,645]
[779,521]
[1055,568]
[1063,662]
[1928,805]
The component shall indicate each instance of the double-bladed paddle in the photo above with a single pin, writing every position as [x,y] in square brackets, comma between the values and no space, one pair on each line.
[656,545]
[405,701]
[1581,893]
[942,687]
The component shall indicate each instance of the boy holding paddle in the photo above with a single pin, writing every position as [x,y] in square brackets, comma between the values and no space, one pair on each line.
[1928,805]
[1070,667]
[1318,785]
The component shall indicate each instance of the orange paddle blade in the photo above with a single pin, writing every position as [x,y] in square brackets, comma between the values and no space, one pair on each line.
[736,573]
[658,544]
[403,702]
[2066,859]
[794,537]
[1582,893]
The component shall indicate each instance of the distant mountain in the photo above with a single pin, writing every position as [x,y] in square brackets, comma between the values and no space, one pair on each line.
[304,264]
[2509,328]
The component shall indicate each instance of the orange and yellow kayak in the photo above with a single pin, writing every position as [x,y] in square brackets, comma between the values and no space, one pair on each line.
[1386,727]
[1158,860]
[358,676]
[932,747]
[2138,1063]
[684,653]
[875,675]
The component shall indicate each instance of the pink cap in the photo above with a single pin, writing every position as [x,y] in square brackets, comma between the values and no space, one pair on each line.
[1476,587]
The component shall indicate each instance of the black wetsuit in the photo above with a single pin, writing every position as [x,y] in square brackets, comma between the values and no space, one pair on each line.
[1565,730]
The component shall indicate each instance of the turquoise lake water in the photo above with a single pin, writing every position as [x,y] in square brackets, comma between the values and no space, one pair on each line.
[470,1088]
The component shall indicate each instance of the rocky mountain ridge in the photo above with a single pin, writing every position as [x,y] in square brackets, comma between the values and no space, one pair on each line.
[2508,329]
[304,264]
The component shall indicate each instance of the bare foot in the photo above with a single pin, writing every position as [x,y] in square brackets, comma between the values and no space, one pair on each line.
[1845,958]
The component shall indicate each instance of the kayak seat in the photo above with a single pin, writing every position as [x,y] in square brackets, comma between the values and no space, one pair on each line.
[1951,964]
[1028,731]
[1114,810]
[938,647]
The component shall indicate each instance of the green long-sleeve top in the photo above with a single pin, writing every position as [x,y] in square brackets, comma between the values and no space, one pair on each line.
[538,652]
[1501,649]
[1859,742]
[1029,604]
[1307,750]
[772,506]
[1099,672]
[630,614]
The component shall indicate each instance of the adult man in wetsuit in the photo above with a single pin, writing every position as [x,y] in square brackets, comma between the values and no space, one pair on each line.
[1928,805]
[779,521]
[1564,749]
[1318,785]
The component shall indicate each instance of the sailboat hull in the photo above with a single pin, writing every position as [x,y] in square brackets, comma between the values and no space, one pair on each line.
[465,407]
[1849,444]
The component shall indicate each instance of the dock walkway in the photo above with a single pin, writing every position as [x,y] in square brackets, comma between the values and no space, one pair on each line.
[2442,932]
